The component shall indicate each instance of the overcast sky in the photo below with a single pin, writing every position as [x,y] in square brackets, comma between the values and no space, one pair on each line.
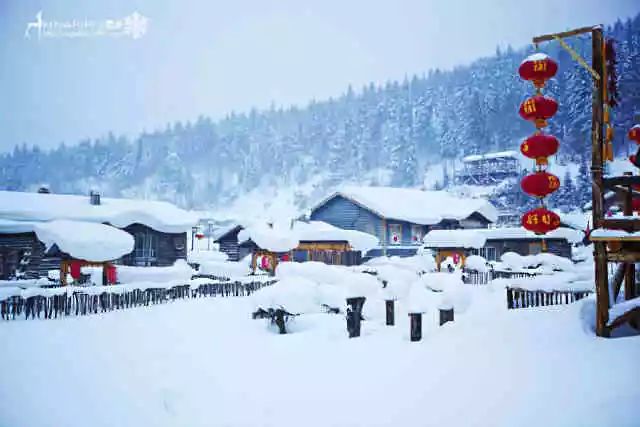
[210,57]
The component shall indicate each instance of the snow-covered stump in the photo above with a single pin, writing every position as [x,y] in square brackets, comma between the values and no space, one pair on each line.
[354,315]
[279,320]
[390,312]
[415,332]
[446,315]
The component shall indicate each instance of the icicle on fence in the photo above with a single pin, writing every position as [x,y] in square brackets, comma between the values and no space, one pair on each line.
[51,303]
[522,298]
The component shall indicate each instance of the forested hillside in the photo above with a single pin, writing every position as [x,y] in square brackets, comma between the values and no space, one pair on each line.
[385,134]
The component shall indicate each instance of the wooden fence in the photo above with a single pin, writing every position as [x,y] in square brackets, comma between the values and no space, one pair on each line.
[85,301]
[472,277]
[522,298]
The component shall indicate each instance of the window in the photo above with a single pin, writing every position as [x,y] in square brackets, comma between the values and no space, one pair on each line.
[535,248]
[417,233]
[395,234]
[145,248]
[489,253]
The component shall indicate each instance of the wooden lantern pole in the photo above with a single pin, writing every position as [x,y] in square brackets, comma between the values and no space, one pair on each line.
[597,143]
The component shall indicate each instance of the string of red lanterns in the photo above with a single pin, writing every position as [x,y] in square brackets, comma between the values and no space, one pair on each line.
[538,69]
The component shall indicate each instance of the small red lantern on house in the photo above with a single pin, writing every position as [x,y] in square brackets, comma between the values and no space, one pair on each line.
[199,235]
[538,68]
[634,134]
[75,269]
[540,221]
[539,146]
[111,273]
[540,184]
[635,205]
[538,109]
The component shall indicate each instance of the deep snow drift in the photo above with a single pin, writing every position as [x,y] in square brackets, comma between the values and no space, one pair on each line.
[206,362]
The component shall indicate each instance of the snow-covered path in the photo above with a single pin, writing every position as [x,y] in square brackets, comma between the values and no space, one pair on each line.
[205,362]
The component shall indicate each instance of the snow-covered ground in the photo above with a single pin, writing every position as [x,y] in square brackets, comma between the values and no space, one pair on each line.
[205,362]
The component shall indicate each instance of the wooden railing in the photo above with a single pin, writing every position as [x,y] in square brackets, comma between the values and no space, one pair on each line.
[472,277]
[82,302]
[522,298]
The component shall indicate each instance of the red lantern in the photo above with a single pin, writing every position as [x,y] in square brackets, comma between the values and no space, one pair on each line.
[112,275]
[540,184]
[540,146]
[199,235]
[538,68]
[75,269]
[538,109]
[540,221]
[634,134]
[635,205]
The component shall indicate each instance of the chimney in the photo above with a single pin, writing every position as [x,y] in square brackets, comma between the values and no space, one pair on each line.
[43,190]
[94,198]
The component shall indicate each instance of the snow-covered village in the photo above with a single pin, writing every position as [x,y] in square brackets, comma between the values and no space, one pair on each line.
[282,213]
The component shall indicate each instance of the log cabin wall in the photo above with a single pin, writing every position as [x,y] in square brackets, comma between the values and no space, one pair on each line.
[22,254]
[155,248]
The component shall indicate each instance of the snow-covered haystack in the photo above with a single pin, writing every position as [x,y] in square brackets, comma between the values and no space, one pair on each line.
[294,294]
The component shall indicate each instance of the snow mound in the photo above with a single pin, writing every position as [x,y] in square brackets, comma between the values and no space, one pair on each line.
[476,263]
[180,271]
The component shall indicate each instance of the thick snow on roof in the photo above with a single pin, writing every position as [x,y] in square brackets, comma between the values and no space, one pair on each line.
[417,206]
[319,231]
[161,216]
[498,155]
[85,240]
[274,239]
[476,238]
[283,239]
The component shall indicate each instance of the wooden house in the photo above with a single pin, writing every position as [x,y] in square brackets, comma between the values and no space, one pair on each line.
[489,168]
[158,230]
[227,240]
[303,241]
[492,243]
[400,217]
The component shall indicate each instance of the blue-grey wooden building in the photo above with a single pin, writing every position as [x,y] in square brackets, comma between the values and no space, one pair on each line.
[400,217]
[227,239]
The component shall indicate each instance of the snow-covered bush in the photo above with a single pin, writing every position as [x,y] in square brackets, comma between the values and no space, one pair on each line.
[476,263]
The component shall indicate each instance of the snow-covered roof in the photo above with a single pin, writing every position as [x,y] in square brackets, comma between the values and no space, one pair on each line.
[283,239]
[476,238]
[274,239]
[161,216]
[577,219]
[416,206]
[319,231]
[85,240]
[497,155]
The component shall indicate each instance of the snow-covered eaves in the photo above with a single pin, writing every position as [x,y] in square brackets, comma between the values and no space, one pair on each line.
[283,239]
[477,238]
[161,216]
[487,156]
[415,206]
[88,241]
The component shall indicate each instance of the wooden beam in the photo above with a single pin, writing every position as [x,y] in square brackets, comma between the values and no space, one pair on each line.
[621,180]
[565,34]
[624,256]
[628,316]
[629,281]
[620,224]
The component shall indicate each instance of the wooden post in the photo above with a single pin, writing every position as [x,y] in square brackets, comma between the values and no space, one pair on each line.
[389,306]
[279,321]
[446,315]
[416,326]
[354,315]
[602,281]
